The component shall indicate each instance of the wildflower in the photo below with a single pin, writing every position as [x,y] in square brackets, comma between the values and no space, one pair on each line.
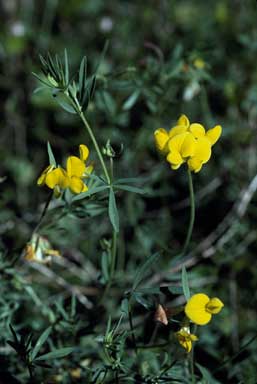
[185,338]
[58,179]
[75,373]
[187,142]
[77,170]
[54,178]
[204,142]
[200,308]
[39,250]
[199,63]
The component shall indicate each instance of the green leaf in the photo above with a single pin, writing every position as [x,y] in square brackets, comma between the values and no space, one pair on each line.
[66,67]
[90,192]
[113,211]
[143,269]
[175,290]
[132,99]
[148,302]
[91,86]
[51,157]
[185,284]
[130,188]
[56,354]
[64,102]
[129,180]
[148,291]
[42,339]
[206,375]
[108,102]
[82,77]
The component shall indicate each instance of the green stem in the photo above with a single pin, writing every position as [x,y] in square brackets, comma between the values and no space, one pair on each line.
[99,154]
[192,358]
[112,267]
[132,327]
[192,366]
[192,212]
[109,179]
[43,214]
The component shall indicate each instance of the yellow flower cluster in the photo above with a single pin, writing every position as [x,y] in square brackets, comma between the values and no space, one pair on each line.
[187,142]
[58,178]
[199,309]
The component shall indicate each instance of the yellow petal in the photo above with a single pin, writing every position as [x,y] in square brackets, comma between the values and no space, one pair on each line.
[187,344]
[76,185]
[214,134]
[183,120]
[85,188]
[174,158]
[41,179]
[188,146]
[193,337]
[176,142]
[194,164]
[75,166]
[197,130]
[203,149]
[161,139]
[178,129]
[195,309]
[174,167]
[214,306]
[57,177]
[83,152]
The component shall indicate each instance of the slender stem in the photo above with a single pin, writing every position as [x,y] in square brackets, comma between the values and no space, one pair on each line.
[192,358]
[132,327]
[112,268]
[43,214]
[154,334]
[192,366]
[99,154]
[192,212]
[109,179]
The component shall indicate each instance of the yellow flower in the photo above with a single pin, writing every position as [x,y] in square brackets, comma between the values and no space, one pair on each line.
[59,179]
[52,176]
[39,250]
[199,63]
[187,142]
[200,308]
[77,170]
[185,338]
[161,137]
[204,142]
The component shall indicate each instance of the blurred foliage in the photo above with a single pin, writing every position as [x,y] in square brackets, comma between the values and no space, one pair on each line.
[163,58]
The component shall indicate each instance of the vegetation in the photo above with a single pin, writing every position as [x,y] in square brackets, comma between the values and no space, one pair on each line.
[128,248]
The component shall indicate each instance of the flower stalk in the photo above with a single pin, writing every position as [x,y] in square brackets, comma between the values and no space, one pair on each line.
[192,212]
[98,151]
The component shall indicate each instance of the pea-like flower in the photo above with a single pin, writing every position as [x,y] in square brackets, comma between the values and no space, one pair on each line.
[185,338]
[58,178]
[39,250]
[187,142]
[77,170]
[200,308]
